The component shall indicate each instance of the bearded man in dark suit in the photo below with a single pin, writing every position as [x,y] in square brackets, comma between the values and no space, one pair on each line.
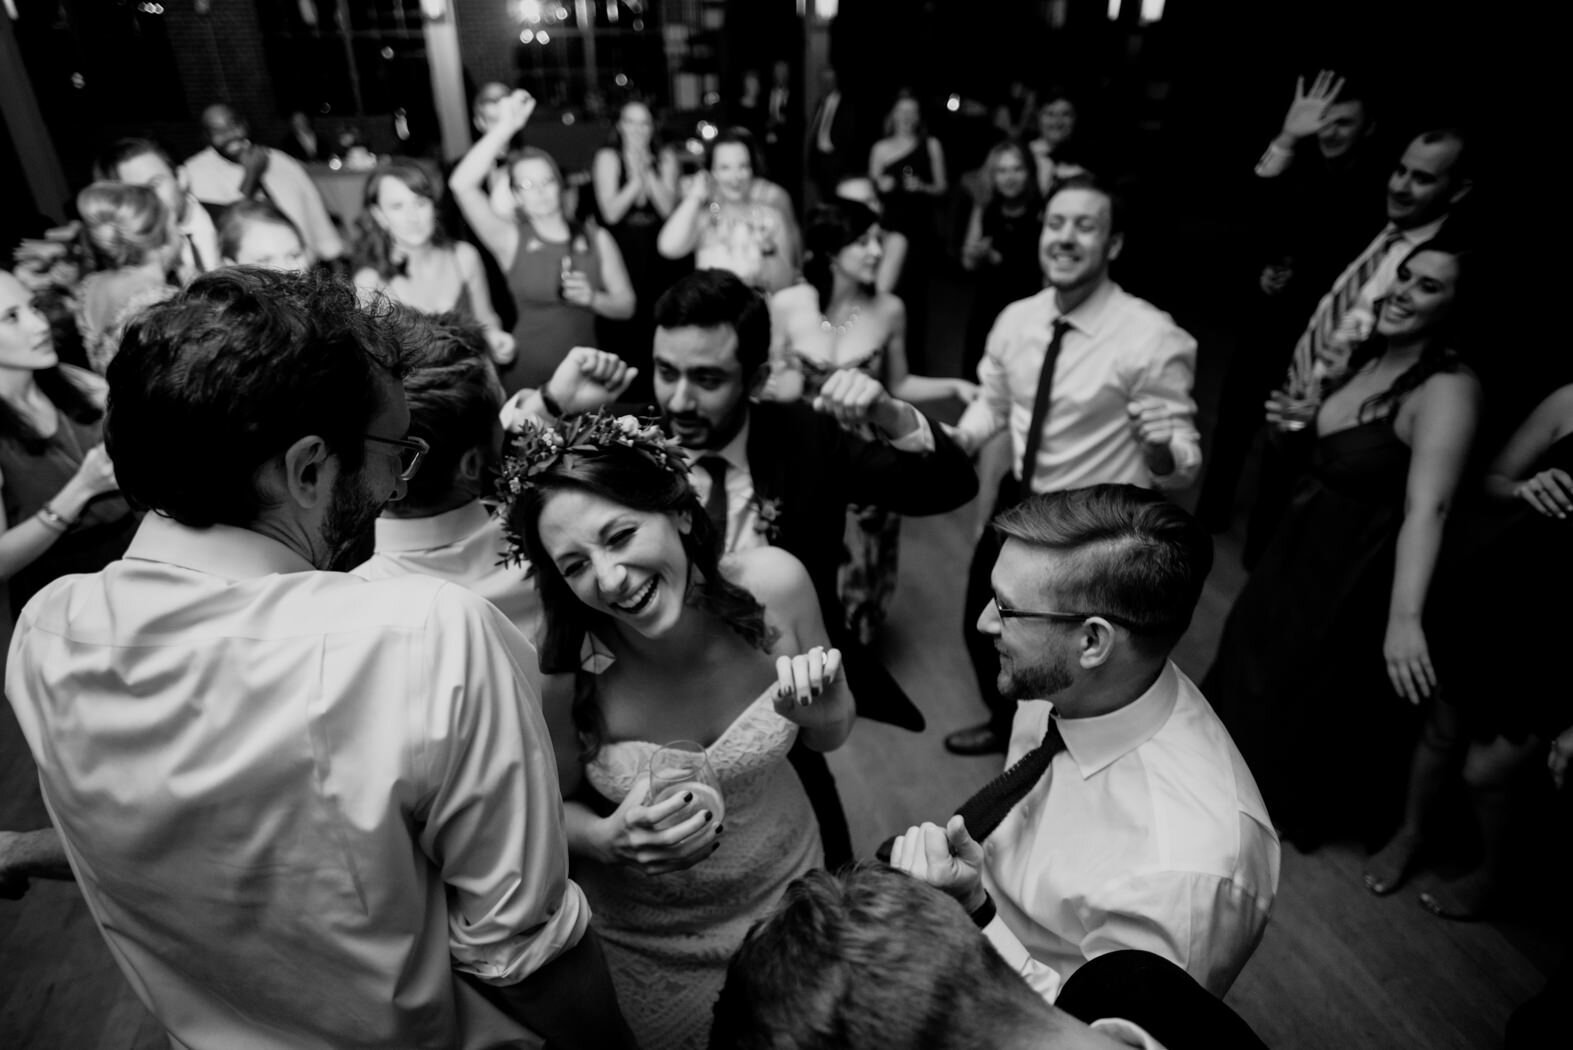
[772,474]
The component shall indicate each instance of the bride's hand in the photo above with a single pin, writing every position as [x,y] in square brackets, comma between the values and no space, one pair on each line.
[658,839]
[801,680]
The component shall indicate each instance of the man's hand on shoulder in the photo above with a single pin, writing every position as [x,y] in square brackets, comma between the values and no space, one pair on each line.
[852,398]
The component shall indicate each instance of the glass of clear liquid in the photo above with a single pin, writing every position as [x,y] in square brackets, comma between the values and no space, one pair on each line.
[682,767]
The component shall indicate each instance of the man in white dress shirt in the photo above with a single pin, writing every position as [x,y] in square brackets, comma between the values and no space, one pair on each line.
[305,809]
[233,168]
[1142,828]
[441,527]
[143,162]
[1094,386]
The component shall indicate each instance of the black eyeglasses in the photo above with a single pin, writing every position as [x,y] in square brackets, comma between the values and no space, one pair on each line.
[411,452]
[1007,613]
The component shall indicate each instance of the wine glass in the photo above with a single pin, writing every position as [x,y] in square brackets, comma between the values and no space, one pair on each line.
[682,766]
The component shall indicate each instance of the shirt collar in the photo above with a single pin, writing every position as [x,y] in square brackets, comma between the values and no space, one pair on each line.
[1096,743]
[735,452]
[423,534]
[1421,234]
[1090,314]
[219,550]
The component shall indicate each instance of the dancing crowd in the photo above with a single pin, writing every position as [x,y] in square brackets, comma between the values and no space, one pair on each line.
[365,576]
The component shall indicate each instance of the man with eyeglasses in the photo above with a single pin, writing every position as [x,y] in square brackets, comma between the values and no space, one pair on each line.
[305,809]
[1126,818]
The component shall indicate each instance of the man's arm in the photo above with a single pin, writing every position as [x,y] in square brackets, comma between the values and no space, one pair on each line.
[491,814]
[28,855]
[990,412]
[1163,414]
[586,379]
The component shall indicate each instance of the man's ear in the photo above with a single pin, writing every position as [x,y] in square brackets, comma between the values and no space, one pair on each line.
[307,481]
[1464,186]
[685,522]
[1116,245]
[756,382]
[1096,638]
[472,465]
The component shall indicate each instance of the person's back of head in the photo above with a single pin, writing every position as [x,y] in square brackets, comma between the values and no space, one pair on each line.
[124,225]
[215,383]
[873,958]
[1128,554]
[454,396]
[716,298]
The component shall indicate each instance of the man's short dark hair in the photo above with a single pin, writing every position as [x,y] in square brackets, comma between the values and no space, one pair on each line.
[1460,171]
[713,298]
[106,167]
[872,958]
[210,385]
[1117,206]
[453,394]
[1132,555]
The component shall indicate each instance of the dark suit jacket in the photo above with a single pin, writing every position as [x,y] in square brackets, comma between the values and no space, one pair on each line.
[811,469]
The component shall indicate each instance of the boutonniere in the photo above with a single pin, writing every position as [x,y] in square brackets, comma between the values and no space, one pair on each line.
[767,518]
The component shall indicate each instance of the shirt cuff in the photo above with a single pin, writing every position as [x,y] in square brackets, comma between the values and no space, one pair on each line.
[1043,979]
[919,439]
[511,960]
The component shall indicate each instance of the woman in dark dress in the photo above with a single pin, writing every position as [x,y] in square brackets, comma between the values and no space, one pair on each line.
[1002,244]
[58,510]
[635,192]
[1498,705]
[562,275]
[1324,658]
[908,167]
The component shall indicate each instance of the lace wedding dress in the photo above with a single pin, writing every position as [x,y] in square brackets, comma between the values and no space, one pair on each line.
[668,938]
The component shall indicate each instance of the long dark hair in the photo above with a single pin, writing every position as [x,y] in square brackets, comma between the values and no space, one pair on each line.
[831,227]
[68,398]
[373,247]
[630,479]
[614,138]
[1443,351]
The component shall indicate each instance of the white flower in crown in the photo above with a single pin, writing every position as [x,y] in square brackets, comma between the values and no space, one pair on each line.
[629,426]
[551,438]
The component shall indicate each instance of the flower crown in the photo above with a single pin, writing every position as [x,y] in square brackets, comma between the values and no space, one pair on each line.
[537,448]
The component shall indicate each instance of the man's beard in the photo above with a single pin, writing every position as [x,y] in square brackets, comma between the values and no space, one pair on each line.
[349,527]
[1040,681]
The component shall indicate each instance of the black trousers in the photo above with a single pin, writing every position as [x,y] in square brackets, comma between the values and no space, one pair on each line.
[980,647]
[570,1002]
[1150,991]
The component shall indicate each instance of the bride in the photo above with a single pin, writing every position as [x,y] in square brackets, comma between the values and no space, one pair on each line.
[656,637]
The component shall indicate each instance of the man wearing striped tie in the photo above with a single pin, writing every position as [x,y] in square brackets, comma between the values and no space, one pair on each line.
[1430,180]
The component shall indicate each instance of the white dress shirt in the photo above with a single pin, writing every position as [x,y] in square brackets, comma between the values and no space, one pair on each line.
[1118,348]
[464,546]
[1147,832]
[199,251]
[297,801]
[215,179]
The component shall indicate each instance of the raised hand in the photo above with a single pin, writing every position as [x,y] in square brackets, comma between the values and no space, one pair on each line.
[1550,492]
[514,111]
[96,475]
[801,680]
[673,834]
[946,858]
[850,397]
[1308,112]
[589,378]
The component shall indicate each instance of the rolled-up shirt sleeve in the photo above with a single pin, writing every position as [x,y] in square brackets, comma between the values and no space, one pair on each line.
[1168,372]
[1044,980]
[990,411]
[493,822]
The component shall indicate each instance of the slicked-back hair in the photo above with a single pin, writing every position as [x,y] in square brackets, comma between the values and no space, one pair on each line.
[453,394]
[872,958]
[1131,554]
[713,298]
[1117,206]
[213,383]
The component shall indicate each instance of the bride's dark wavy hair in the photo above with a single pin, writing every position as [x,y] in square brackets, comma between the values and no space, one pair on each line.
[1445,349]
[630,479]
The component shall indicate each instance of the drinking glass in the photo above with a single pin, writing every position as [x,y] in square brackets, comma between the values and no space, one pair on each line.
[682,766]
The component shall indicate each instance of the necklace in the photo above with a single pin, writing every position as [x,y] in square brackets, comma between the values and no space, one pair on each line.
[840,329]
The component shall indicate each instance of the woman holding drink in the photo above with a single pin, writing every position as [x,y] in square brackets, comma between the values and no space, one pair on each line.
[654,637]
[1324,659]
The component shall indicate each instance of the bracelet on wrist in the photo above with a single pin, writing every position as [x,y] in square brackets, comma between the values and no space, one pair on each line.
[549,403]
[54,519]
[984,913]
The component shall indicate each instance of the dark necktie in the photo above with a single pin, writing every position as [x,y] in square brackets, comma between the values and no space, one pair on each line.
[715,503]
[1040,406]
[991,802]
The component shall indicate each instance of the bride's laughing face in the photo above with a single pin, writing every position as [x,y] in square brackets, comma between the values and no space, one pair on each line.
[627,564]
